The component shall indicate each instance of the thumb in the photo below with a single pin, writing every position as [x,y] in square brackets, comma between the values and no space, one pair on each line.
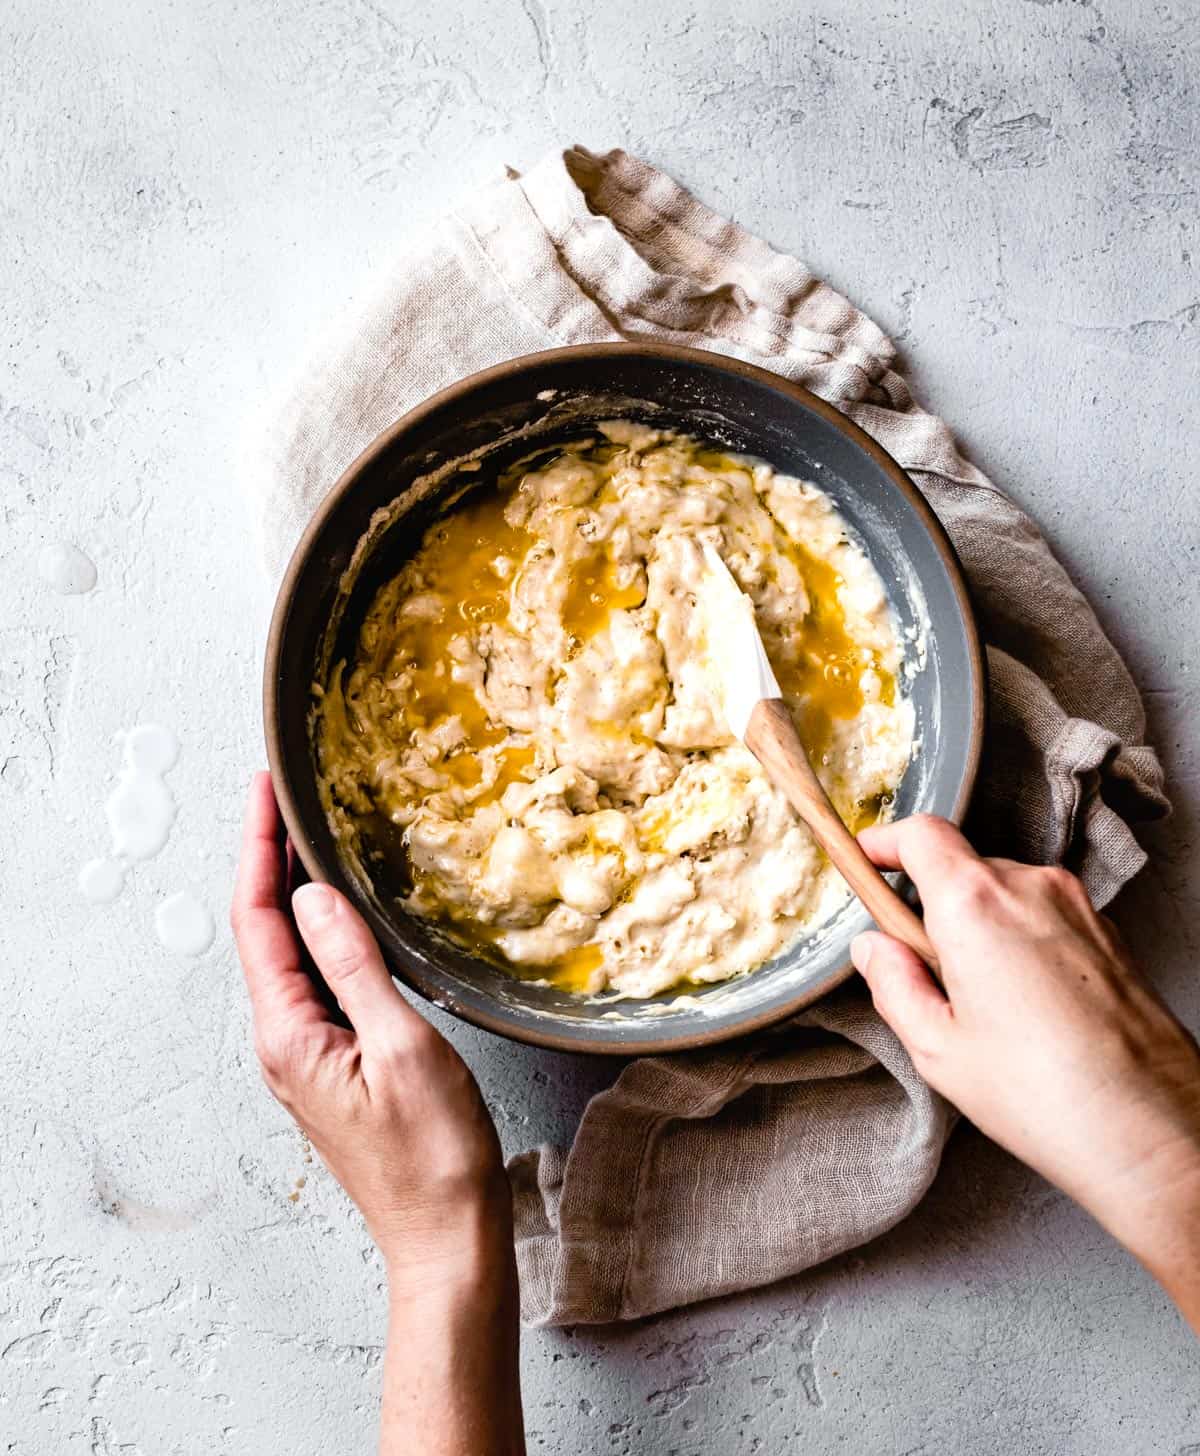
[348,956]
[905,995]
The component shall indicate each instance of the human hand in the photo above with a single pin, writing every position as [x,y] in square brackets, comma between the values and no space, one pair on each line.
[387,1102]
[1048,1039]
[398,1120]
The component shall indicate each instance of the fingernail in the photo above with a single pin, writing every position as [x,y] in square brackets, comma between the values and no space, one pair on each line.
[314,903]
[860,950]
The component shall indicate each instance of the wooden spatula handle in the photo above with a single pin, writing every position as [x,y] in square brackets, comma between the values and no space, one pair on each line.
[772,738]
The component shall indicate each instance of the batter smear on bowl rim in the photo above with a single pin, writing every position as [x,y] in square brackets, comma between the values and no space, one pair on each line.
[528,721]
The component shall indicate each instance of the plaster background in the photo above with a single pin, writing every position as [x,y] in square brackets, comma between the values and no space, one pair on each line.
[187,191]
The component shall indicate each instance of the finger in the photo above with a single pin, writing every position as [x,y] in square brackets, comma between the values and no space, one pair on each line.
[261,869]
[348,956]
[295,876]
[905,995]
[924,847]
[266,941]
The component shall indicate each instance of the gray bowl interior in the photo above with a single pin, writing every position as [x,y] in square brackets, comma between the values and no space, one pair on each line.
[508,415]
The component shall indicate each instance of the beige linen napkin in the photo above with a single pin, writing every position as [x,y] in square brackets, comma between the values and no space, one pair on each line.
[703,1173]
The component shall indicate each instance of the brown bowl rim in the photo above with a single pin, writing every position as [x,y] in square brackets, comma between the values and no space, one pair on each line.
[315,865]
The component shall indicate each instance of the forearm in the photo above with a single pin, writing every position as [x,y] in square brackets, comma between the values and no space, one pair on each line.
[1164,1235]
[1177,1269]
[451,1384]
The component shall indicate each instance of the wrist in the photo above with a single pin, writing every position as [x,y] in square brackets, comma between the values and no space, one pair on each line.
[466,1246]
[1168,1221]
[1158,1221]
[452,1378]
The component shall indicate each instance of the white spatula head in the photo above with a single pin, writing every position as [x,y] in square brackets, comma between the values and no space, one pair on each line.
[741,673]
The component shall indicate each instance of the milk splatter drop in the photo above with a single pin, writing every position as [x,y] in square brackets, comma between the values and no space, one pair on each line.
[67,569]
[184,925]
[141,809]
[101,880]
[151,749]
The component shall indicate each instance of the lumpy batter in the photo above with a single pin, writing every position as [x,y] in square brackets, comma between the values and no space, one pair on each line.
[530,727]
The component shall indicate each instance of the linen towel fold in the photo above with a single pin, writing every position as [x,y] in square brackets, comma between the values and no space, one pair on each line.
[704,1173]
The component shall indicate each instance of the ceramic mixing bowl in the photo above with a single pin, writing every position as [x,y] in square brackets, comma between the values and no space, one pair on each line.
[374,517]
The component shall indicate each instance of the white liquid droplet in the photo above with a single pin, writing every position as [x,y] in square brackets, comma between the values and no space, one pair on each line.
[184,925]
[151,748]
[67,569]
[141,809]
[101,881]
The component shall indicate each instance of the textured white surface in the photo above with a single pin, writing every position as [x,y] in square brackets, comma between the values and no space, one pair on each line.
[188,191]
